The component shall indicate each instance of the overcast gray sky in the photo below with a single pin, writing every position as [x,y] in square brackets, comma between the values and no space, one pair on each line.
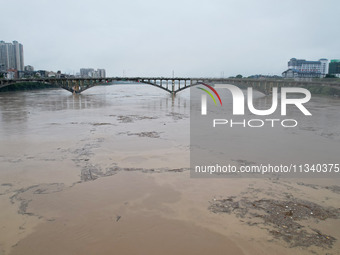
[153,37]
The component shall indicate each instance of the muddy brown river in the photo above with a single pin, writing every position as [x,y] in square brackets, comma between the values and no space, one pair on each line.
[107,172]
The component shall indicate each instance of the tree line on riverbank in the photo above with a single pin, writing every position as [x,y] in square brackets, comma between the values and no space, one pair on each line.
[22,86]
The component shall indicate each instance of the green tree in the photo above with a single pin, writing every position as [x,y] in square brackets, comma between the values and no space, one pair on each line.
[330,76]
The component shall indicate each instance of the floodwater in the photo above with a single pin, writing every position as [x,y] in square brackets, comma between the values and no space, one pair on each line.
[107,172]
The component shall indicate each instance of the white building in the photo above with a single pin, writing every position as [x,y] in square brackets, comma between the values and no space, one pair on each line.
[324,66]
[301,68]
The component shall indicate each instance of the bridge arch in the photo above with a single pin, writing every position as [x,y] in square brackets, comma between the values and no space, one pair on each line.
[258,88]
[155,85]
[174,85]
[80,85]
[188,86]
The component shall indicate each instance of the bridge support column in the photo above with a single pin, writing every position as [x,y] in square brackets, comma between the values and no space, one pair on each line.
[270,90]
[173,88]
[76,87]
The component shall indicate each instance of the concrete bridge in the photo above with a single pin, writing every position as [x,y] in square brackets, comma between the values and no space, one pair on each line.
[171,85]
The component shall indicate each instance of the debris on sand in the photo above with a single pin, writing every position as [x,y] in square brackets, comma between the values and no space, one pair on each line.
[176,116]
[132,118]
[281,218]
[102,124]
[152,134]
[334,188]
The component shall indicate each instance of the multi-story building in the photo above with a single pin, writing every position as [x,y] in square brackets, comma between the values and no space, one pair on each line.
[324,66]
[91,73]
[11,56]
[86,72]
[301,68]
[101,73]
[334,67]
[29,68]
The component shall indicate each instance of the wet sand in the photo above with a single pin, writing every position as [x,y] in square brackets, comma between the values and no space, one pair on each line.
[113,179]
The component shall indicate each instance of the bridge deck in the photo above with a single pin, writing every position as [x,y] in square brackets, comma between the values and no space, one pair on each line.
[172,85]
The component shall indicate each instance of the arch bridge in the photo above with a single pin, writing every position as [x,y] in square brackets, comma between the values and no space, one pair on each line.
[171,85]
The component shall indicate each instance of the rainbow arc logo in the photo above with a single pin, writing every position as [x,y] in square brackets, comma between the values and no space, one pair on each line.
[210,94]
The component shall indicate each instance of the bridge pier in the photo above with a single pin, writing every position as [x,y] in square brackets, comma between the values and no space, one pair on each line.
[76,87]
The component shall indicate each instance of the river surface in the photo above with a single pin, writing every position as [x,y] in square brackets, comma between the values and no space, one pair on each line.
[295,141]
[121,116]
[107,172]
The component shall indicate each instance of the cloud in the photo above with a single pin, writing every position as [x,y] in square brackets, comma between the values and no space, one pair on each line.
[194,38]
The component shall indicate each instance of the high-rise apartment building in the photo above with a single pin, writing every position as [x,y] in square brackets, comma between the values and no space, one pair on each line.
[91,73]
[334,67]
[86,72]
[11,56]
[101,73]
